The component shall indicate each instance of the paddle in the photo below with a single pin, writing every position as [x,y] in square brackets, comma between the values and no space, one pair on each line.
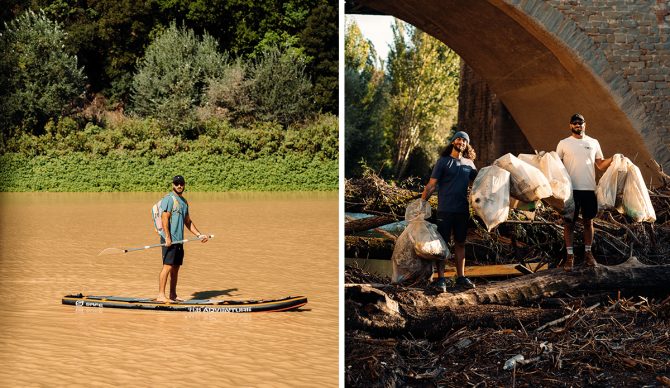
[113,251]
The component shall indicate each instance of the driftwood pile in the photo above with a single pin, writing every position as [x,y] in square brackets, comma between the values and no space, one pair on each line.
[518,240]
[608,326]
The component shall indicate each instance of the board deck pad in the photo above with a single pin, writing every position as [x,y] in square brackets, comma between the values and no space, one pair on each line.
[193,305]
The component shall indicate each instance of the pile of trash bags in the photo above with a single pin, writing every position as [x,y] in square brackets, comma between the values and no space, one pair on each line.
[622,188]
[418,246]
[526,179]
[518,181]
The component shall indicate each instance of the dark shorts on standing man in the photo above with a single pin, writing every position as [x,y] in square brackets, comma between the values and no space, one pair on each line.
[586,202]
[174,254]
[456,223]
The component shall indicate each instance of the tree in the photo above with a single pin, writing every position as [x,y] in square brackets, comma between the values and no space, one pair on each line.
[423,75]
[172,77]
[320,39]
[38,79]
[364,96]
[108,36]
[279,88]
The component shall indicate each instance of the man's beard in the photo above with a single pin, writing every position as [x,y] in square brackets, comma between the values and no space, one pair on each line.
[460,148]
[579,132]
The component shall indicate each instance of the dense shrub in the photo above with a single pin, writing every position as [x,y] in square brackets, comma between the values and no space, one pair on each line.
[317,138]
[172,77]
[280,89]
[39,80]
[228,96]
[80,172]
[274,87]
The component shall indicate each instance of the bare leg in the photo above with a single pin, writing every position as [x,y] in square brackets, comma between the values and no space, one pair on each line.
[439,266]
[162,281]
[588,232]
[568,227]
[174,276]
[589,260]
[459,248]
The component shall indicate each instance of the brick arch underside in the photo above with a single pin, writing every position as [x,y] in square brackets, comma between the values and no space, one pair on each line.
[541,81]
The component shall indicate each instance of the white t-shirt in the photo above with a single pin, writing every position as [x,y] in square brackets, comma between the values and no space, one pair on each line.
[579,157]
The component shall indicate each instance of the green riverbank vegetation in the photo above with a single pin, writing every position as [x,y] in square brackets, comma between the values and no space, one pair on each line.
[250,108]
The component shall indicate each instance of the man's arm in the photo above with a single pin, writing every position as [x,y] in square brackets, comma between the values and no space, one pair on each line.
[165,218]
[429,189]
[191,226]
[603,164]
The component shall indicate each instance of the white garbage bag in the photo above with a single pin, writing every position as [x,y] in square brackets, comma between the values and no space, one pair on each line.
[489,196]
[417,247]
[553,169]
[527,183]
[561,186]
[636,201]
[610,186]
[408,267]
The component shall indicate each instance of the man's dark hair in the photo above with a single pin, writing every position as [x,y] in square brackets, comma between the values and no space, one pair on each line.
[469,152]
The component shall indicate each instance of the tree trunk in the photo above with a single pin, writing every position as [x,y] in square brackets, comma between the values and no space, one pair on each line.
[364,224]
[387,308]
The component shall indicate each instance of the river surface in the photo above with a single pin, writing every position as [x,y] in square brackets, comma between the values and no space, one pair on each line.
[266,245]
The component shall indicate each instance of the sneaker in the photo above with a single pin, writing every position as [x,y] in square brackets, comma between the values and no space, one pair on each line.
[589,260]
[440,285]
[464,282]
[568,263]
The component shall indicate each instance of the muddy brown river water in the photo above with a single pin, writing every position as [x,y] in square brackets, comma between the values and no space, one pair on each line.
[266,245]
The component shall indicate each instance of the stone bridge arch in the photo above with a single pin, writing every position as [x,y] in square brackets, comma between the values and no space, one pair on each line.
[547,59]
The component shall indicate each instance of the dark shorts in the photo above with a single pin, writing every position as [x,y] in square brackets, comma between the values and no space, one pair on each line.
[586,202]
[456,223]
[174,254]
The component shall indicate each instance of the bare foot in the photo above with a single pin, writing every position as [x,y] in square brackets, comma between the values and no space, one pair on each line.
[176,299]
[162,298]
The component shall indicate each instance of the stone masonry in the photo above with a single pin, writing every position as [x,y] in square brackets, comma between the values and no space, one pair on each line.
[629,47]
[547,59]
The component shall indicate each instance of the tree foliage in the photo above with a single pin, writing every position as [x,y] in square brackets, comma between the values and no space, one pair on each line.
[364,95]
[273,87]
[38,79]
[320,39]
[172,77]
[280,89]
[423,75]
[110,36]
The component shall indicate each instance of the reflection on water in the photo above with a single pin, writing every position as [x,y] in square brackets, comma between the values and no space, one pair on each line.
[266,245]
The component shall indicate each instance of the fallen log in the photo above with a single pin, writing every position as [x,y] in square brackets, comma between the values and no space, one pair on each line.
[414,305]
[368,223]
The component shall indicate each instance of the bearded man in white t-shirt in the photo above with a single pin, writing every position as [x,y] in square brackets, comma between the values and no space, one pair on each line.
[581,154]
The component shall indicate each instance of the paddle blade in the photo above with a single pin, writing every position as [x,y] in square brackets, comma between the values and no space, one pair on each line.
[112,251]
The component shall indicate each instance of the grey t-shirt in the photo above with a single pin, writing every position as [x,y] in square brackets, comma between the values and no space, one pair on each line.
[453,176]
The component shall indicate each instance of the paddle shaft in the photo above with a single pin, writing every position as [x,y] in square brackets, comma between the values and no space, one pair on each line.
[163,244]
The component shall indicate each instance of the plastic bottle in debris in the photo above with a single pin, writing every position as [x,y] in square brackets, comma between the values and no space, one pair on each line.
[509,364]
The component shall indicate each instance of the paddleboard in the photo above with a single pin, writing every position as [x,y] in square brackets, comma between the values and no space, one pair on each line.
[193,305]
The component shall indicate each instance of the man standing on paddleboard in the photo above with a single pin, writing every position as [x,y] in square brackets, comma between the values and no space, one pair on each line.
[174,217]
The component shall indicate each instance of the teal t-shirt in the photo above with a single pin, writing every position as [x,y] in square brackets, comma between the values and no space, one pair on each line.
[178,215]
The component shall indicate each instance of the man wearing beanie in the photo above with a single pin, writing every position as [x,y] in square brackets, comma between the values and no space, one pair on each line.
[581,154]
[451,176]
[174,216]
